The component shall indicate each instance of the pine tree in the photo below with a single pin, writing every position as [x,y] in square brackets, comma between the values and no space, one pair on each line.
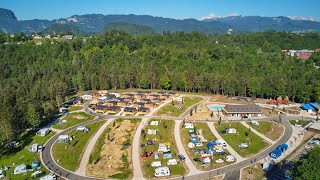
[33,116]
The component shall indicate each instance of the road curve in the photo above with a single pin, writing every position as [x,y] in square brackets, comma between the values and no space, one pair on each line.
[48,161]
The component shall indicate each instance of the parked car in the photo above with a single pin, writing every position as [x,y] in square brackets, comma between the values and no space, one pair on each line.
[223,153]
[156,164]
[1,174]
[40,148]
[181,157]
[205,164]
[219,161]
[14,143]
[197,159]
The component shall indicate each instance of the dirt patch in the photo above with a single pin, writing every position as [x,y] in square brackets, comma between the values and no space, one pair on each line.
[112,154]
[270,112]
[275,131]
[254,172]
[203,113]
[78,117]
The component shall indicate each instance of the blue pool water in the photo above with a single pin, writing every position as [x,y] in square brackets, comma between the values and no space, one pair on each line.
[215,107]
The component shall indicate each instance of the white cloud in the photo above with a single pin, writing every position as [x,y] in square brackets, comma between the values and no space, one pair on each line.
[214,16]
[302,18]
[233,14]
[210,16]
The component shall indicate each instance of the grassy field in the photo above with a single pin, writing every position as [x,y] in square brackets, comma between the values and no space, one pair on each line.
[95,155]
[73,119]
[74,108]
[207,134]
[243,135]
[21,155]
[253,172]
[300,122]
[115,143]
[69,155]
[170,110]
[164,134]
[271,130]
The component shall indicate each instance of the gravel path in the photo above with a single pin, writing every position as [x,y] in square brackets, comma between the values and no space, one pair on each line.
[192,169]
[137,172]
[86,155]
[258,133]
[232,152]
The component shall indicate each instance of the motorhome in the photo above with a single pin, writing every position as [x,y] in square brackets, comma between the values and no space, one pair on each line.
[188,126]
[156,164]
[43,132]
[230,158]
[162,171]
[172,162]
[82,129]
[231,130]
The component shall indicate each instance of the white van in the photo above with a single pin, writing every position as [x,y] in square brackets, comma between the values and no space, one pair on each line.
[1,174]
[172,162]
[156,164]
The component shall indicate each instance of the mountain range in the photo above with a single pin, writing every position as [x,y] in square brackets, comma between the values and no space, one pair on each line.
[95,23]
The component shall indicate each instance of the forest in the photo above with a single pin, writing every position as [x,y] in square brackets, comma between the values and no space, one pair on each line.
[35,80]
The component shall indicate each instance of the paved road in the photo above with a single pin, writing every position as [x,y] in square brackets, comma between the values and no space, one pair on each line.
[48,161]
[177,135]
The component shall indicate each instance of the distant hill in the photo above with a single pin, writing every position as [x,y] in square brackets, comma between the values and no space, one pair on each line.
[93,23]
[61,29]
[130,28]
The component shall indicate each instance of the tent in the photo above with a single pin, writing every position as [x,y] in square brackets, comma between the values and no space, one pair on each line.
[275,154]
[211,144]
[283,147]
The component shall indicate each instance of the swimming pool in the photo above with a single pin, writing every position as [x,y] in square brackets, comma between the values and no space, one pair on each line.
[215,107]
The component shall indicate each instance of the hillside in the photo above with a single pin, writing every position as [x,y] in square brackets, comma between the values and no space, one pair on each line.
[62,29]
[130,28]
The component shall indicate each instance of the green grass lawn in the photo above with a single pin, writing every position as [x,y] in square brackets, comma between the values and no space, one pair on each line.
[207,134]
[74,108]
[73,119]
[255,142]
[69,155]
[21,155]
[164,134]
[169,109]
[302,123]
[270,129]
[263,127]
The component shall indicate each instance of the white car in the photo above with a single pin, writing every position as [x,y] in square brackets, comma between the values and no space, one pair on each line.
[172,162]
[1,174]
[219,161]
[218,150]
[14,143]
[156,164]
[199,144]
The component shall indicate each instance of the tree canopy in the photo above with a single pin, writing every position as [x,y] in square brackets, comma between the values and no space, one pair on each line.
[35,80]
[308,167]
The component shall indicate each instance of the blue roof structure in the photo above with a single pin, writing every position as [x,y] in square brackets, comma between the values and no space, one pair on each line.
[275,154]
[315,105]
[283,147]
[307,107]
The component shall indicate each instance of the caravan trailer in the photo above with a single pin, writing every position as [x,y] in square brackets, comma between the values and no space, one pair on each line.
[162,171]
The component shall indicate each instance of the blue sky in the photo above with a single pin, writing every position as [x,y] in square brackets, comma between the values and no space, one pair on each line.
[178,9]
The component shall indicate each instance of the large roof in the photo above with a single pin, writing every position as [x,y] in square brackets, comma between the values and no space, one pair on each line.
[248,108]
[315,125]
